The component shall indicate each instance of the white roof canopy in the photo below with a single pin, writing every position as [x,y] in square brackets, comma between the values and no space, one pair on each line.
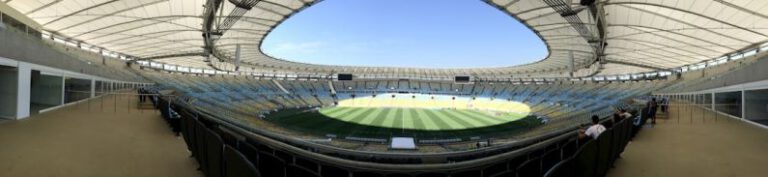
[637,34]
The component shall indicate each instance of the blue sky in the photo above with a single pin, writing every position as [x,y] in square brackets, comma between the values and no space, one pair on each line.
[405,33]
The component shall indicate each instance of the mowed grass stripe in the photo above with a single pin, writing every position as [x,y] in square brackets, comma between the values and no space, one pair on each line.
[442,123]
[379,119]
[426,120]
[409,121]
[458,121]
[362,129]
[488,120]
[398,122]
[359,117]
[331,110]
[343,111]
[391,117]
[460,117]
[369,118]
[311,121]
[349,115]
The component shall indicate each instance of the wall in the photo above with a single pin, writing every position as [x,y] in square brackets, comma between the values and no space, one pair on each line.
[32,49]
[752,71]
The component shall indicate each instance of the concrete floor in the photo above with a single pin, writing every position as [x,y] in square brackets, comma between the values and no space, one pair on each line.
[94,139]
[696,142]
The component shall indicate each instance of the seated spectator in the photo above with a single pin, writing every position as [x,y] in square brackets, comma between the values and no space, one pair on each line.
[625,114]
[594,130]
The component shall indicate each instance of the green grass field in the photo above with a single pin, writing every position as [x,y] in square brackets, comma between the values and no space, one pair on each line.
[418,118]
[388,122]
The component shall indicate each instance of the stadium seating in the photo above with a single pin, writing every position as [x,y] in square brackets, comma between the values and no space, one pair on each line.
[216,140]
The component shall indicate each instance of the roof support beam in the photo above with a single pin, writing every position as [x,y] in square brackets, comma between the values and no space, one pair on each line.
[111,14]
[43,7]
[742,9]
[157,19]
[663,47]
[672,31]
[172,56]
[635,64]
[80,11]
[688,12]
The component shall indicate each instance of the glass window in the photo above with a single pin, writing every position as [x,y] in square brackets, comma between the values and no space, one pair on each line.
[14,23]
[750,52]
[729,103]
[736,56]
[156,65]
[721,60]
[764,47]
[58,40]
[756,106]
[76,89]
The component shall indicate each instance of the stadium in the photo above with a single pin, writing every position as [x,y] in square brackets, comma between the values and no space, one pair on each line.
[299,88]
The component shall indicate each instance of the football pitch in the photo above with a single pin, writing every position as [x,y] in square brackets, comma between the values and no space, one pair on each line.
[412,122]
[419,118]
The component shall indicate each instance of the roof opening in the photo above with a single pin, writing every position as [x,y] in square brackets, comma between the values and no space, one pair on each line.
[402,33]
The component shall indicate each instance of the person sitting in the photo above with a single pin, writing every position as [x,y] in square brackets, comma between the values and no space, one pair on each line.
[594,130]
[625,114]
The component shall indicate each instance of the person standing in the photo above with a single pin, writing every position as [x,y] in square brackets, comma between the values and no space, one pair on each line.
[652,106]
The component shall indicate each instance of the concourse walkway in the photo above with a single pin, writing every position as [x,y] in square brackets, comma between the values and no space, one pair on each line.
[695,142]
[107,136]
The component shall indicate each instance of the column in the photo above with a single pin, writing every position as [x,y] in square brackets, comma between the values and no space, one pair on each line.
[24,82]
[93,88]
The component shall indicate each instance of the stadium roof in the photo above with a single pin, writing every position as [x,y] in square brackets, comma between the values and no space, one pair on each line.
[645,34]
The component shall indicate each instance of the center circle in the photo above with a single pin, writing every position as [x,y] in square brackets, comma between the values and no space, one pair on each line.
[426,111]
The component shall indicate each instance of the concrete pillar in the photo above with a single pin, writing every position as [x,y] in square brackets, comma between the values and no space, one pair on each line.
[93,88]
[24,82]
[237,57]
[571,64]
[63,89]
[712,103]
[743,105]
